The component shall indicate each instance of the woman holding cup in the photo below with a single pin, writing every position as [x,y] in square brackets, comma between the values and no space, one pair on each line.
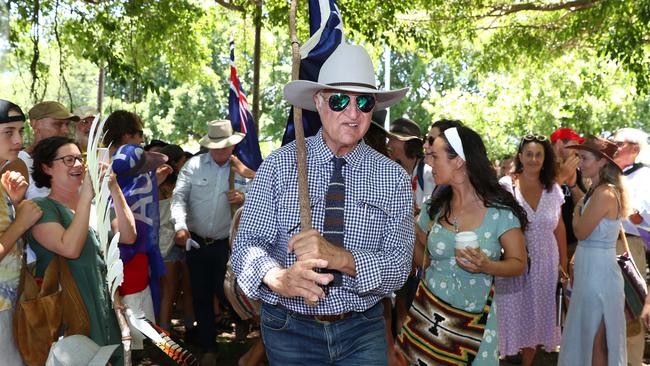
[452,320]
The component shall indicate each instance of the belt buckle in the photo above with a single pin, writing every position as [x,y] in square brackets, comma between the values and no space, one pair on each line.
[208,241]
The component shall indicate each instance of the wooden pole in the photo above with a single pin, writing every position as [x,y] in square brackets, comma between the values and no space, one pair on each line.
[301,150]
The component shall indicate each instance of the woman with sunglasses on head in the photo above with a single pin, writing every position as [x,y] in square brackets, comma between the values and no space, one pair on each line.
[457,288]
[594,332]
[64,229]
[526,304]
[16,216]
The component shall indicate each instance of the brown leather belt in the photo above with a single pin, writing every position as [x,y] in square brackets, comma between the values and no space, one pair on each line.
[330,318]
[319,318]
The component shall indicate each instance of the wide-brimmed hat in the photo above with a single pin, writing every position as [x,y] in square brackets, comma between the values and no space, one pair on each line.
[79,350]
[405,129]
[349,68]
[5,107]
[51,109]
[220,135]
[131,160]
[378,119]
[600,147]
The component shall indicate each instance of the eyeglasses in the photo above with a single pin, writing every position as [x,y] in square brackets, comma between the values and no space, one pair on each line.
[622,143]
[86,121]
[69,160]
[340,101]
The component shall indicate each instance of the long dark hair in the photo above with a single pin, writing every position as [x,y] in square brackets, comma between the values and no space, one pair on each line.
[443,124]
[549,171]
[481,175]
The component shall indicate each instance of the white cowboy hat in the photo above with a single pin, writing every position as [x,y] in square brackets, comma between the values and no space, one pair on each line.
[349,68]
[220,135]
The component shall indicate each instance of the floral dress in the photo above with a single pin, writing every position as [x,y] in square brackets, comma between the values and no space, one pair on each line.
[527,305]
[463,289]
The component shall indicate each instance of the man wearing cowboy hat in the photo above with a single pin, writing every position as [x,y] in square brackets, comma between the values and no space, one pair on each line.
[321,288]
[206,189]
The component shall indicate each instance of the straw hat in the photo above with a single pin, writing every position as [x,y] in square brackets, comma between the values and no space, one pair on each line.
[349,68]
[220,135]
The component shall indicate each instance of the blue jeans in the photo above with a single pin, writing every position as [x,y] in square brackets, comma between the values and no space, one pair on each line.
[294,339]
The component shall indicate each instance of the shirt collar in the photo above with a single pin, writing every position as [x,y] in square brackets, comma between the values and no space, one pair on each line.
[322,154]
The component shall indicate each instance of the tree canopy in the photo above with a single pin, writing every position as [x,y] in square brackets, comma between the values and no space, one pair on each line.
[504,67]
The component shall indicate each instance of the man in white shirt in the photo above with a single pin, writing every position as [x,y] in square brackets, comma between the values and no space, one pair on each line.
[633,157]
[47,119]
[206,194]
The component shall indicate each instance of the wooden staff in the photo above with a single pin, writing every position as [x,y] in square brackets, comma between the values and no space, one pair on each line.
[301,149]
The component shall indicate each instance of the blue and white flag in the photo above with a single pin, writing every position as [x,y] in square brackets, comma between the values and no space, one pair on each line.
[326,29]
[248,150]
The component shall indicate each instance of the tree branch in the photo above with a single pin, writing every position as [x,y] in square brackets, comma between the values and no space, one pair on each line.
[505,9]
[230,5]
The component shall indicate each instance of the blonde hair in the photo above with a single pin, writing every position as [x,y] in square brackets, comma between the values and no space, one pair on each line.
[611,175]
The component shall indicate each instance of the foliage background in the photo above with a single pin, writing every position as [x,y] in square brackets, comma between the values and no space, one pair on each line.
[505,68]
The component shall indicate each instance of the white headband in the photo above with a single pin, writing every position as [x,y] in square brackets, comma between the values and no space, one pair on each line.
[454,140]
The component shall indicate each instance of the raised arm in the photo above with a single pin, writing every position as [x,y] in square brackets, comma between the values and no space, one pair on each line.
[68,242]
[124,222]
[603,203]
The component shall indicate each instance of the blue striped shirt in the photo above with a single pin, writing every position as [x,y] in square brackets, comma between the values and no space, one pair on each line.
[379,227]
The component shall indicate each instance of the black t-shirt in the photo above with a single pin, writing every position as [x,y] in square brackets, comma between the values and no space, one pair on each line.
[568,206]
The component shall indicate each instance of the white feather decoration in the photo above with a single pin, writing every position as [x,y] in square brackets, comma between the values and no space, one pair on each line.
[115,274]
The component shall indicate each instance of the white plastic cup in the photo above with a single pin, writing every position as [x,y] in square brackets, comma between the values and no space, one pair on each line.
[466,239]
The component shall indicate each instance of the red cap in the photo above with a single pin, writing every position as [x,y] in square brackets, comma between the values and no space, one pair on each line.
[565,133]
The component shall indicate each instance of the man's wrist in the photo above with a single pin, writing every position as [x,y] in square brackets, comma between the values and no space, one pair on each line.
[272,279]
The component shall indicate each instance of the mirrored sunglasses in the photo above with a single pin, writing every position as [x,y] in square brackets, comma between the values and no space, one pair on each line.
[339,101]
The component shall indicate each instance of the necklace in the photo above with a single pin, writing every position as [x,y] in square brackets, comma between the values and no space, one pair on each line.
[454,221]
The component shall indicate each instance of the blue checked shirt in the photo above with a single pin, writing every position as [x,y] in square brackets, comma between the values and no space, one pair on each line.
[379,228]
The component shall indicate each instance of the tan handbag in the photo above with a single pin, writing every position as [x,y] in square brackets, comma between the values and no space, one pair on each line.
[43,314]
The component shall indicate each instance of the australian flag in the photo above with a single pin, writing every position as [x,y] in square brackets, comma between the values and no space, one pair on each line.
[326,29]
[248,150]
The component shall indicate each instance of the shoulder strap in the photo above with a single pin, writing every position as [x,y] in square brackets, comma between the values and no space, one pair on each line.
[626,247]
[425,252]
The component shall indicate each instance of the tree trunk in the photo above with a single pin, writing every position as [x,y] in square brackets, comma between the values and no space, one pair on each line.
[256,67]
[100,90]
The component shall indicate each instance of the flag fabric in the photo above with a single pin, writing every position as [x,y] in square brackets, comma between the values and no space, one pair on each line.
[248,150]
[326,30]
